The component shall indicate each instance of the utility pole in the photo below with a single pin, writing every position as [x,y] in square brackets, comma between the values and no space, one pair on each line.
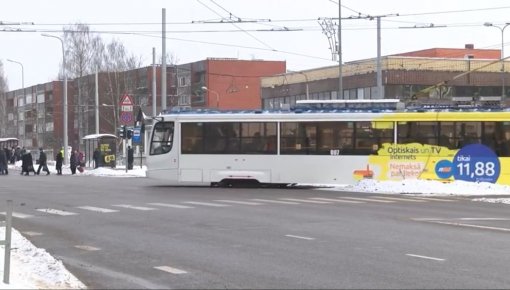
[154,84]
[336,47]
[24,97]
[339,48]
[380,89]
[163,62]
[96,97]
[380,93]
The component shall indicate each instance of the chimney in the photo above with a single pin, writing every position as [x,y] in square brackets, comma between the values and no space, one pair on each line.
[469,46]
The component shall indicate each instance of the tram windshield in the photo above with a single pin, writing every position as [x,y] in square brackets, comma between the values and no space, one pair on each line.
[162,138]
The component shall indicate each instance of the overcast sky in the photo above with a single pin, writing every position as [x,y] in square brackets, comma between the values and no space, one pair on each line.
[304,46]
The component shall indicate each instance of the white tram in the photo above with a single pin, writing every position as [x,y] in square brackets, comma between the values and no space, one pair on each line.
[329,146]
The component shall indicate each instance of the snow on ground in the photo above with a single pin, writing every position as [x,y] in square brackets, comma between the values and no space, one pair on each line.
[33,268]
[427,187]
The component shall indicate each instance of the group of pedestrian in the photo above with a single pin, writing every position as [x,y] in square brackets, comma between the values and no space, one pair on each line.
[76,160]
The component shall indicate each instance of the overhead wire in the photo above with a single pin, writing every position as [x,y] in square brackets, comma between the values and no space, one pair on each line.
[236,26]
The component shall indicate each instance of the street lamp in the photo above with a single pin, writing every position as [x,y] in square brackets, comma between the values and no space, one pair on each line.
[66,157]
[24,95]
[214,92]
[502,29]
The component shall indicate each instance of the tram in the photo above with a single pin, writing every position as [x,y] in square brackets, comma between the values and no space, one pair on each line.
[330,145]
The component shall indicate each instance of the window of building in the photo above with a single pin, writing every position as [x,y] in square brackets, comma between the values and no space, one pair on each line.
[49,127]
[182,81]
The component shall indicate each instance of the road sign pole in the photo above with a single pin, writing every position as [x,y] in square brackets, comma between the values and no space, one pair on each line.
[124,153]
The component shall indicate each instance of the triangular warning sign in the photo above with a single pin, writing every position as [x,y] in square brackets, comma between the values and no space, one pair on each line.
[126,101]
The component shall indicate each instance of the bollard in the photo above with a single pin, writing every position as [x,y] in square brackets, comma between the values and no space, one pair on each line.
[7,242]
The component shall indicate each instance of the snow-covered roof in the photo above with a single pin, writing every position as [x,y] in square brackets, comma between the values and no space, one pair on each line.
[97,136]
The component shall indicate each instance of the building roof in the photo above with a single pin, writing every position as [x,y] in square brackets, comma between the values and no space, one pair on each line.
[468,52]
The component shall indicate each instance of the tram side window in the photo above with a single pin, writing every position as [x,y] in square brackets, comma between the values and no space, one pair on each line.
[502,133]
[467,133]
[298,138]
[222,138]
[369,136]
[162,138]
[418,132]
[329,141]
[447,135]
[258,138]
[192,138]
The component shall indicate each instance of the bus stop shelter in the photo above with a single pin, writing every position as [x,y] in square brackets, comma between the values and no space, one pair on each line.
[107,144]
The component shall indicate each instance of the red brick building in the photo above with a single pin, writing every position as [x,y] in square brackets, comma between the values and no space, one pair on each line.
[223,83]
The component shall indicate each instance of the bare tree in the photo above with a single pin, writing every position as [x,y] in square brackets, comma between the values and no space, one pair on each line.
[120,67]
[81,59]
[87,53]
[3,80]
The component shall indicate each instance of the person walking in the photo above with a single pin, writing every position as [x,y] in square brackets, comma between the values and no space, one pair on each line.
[27,164]
[59,160]
[42,162]
[72,162]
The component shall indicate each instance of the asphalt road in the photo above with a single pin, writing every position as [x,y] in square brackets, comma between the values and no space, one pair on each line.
[126,233]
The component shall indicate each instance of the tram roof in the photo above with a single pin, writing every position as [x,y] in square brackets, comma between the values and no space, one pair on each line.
[327,110]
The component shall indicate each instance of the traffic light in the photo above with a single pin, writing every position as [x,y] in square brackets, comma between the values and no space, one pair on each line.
[122,132]
[129,134]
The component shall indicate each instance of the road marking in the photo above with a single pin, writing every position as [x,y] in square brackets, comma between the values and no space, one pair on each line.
[206,203]
[169,205]
[18,215]
[98,209]
[425,257]
[274,201]
[336,200]
[134,207]
[56,211]
[484,219]
[238,202]
[171,270]
[433,198]
[300,237]
[87,248]
[471,226]
[397,199]
[32,234]
[305,200]
[367,199]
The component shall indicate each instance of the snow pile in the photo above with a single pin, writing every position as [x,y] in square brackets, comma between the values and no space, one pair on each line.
[34,268]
